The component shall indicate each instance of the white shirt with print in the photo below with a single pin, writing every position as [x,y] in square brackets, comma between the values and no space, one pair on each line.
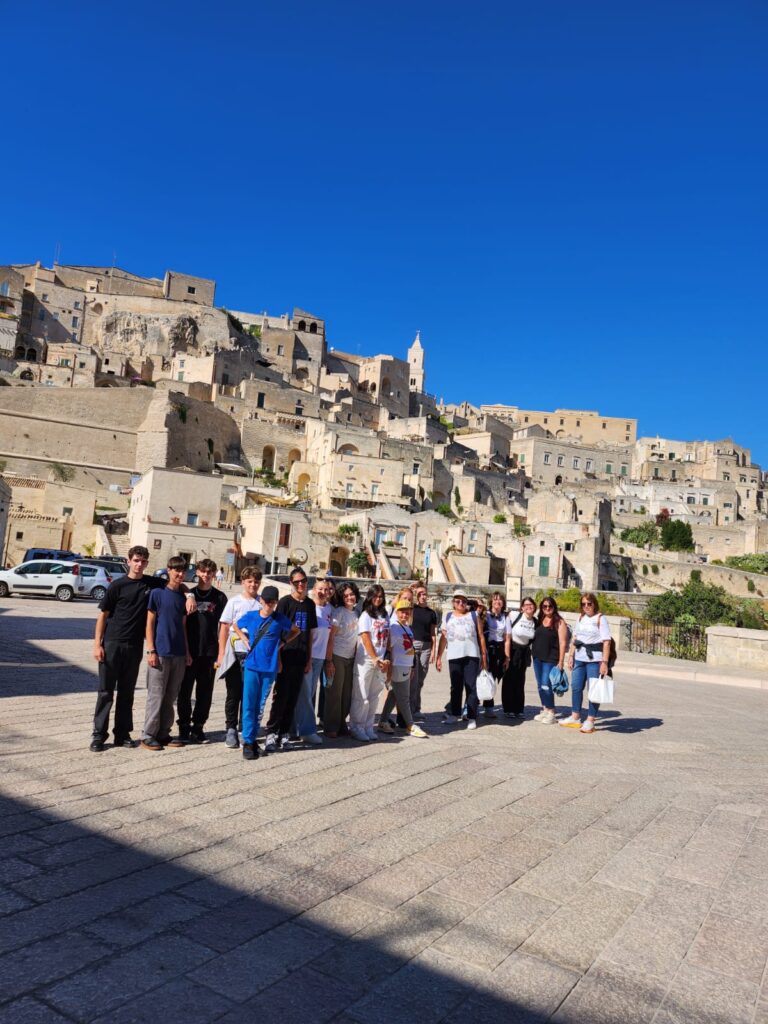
[379,630]
[323,631]
[461,633]
[344,621]
[235,609]
[402,645]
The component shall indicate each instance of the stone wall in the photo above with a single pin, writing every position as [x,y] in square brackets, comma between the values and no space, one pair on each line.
[675,574]
[728,647]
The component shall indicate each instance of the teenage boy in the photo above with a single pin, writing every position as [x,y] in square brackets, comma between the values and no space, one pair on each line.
[203,636]
[117,647]
[304,721]
[265,630]
[167,656]
[232,650]
[296,659]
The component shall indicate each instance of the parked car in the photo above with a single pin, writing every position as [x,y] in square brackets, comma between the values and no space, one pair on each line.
[57,554]
[113,566]
[190,574]
[48,578]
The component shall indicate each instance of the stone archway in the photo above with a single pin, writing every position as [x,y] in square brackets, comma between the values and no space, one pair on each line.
[268,458]
[338,560]
[302,484]
[294,455]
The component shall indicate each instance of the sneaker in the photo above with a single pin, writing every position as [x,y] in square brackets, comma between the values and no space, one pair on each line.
[270,744]
[571,723]
[510,714]
[549,719]
[449,719]
[97,746]
[588,727]
[386,727]
[197,736]
[250,751]
[313,739]
[471,723]
[358,734]
[480,711]
[416,731]
[184,731]
[540,717]
[150,744]
[419,717]
[371,733]
[232,741]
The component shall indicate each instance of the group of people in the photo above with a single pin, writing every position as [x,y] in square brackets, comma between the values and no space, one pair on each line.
[325,658]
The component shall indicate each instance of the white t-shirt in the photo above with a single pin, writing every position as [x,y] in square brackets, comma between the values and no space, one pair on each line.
[591,629]
[235,609]
[497,627]
[323,631]
[522,631]
[461,633]
[344,621]
[402,645]
[379,630]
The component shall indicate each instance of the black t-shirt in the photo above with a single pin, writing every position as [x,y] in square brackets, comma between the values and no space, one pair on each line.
[126,601]
[303,615]
[423,621]
[546,645]
[203,626]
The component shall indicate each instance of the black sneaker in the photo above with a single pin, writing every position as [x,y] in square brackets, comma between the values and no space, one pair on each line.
[197,735]
[250,751]
[184,731]
[151,744]
[176,741]
[97,746]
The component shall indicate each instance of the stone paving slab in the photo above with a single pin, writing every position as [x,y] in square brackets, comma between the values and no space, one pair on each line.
[517,873]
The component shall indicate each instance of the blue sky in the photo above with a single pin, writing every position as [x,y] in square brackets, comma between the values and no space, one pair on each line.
[568,199]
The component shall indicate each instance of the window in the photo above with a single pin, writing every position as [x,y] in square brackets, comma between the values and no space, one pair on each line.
[77,303]
[547,458]
[543,566]
[66,511]
[281,350]
[41,314]
[44,296]
[530,561]
[81,366]
[192,518]
[526,419]
[727,504]
[656,472]
[576,462]
[690,500]
[674,475]
[413,382]
[589,465]
[157,543]
[470,549]
[562,423]
[578,423]
[55,316]
[191,289]
[726,476]
[742,479]
[561,460]
[546,420]
[627,427]
[416,467]
[64,362]
[374,489]
[284,537]
[569,545]
[705,500]
[522,458]
[75,321]
[19,535]
[422,545]
[623,470]
[106,362]
[400,537]
[222,515]
[181,363]
[260,400]
[180,375]
[604,426]
[609,467]
[349,488]
[473,534]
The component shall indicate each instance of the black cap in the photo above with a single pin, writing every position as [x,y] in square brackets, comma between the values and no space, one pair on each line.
[270,594]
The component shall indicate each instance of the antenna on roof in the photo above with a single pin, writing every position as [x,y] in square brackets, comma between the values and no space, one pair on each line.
[57,253]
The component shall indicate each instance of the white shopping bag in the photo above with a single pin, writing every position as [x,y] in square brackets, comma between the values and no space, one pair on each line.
[486,686]
[601,690]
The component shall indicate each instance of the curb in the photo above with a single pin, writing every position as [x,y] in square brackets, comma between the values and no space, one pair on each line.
[694,676]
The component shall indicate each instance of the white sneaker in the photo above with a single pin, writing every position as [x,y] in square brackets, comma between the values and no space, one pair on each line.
[417,731]
[549,719]
[588,727]
[270,744]
[471,723]
[371,733]
[540,717]
[313,739]
[358,734]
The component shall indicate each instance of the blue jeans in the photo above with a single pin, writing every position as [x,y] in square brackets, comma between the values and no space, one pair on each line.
[304,721]
[583,671]
[541,670]
[256,687]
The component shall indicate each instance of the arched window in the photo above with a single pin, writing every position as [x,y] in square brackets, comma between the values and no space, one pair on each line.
[558,481]
[268,458]
[313,328]
[294,455]
[31,355]
[302,325]
[348,449]
[20,350]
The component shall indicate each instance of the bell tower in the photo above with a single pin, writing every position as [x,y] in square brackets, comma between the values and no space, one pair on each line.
[416,362]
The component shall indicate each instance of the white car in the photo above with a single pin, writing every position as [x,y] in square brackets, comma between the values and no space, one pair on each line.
[48,578]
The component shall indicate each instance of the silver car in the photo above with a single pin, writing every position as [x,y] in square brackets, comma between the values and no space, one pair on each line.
[48,578]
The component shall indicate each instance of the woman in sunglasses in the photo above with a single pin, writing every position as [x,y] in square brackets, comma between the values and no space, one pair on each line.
[462,635]
[588,658]
[550,642]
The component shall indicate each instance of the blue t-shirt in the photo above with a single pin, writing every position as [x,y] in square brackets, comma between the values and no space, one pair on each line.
[263,657]
[170,606]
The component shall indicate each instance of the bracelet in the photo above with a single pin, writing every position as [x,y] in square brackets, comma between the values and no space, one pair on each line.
[152,652]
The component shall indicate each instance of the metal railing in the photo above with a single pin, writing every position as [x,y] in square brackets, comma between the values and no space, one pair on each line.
[688,642]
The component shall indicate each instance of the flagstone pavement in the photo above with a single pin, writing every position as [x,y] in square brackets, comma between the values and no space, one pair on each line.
[519,872]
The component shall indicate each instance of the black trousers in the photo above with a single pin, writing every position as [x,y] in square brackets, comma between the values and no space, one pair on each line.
[198,677]
[463,673]
[286,692]
[233,702]
[118,671]
[495,664]
[513,684]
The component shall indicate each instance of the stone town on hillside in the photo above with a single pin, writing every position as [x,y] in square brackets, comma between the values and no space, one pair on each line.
[136,411]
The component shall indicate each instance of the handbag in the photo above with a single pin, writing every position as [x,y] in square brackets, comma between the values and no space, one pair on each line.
[601,690]
[558,680]
[486,686]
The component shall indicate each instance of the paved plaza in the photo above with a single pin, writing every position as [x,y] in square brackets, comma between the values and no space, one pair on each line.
[520,872]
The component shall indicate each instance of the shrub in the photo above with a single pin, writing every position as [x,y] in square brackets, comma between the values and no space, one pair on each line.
[499,518]
[444,510]
[570,601]
[358,563]
[521,530]
[62,472]
[645,533]
[707,604]
[676,536]
[655,570]
[751,586]
[645,570]
[748,563]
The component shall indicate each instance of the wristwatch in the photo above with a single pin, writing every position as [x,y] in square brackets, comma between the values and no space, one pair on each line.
[151,652]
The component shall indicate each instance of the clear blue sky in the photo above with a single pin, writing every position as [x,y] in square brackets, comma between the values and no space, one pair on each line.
[567,198]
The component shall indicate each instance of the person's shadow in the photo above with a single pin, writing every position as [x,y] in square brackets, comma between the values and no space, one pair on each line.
[614,721]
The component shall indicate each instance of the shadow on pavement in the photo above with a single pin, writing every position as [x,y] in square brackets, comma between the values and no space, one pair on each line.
[28,668]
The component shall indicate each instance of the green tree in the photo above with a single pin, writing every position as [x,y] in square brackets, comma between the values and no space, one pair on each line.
[444,510]
[748,563]
[708,605]
[499,518]
[646,533]
[358,563]
[676,536]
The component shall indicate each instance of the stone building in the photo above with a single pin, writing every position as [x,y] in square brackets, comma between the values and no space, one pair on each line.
[11,299]
[550,462]
[585,425]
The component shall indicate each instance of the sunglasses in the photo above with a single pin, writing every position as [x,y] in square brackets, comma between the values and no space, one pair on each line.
[587,604]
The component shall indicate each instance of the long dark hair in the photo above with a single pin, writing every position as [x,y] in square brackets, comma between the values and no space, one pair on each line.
[368,605]
[556,616]
[338,598]
[494,595]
